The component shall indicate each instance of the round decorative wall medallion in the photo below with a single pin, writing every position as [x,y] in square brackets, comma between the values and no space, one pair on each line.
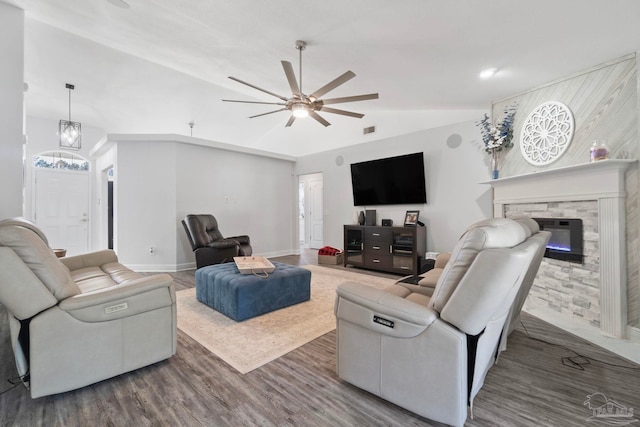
[546,133]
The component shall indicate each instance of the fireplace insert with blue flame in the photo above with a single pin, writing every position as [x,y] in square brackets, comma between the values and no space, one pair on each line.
[566,241]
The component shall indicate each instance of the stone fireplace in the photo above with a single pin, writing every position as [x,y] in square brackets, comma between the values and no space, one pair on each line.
[594,291]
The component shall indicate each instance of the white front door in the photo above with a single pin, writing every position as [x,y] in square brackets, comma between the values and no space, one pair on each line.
[62,208]
[316,213]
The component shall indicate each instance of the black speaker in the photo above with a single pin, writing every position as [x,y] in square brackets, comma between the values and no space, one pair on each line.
[387,222]
[370,217]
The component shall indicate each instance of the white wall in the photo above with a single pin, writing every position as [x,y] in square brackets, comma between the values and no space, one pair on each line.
[454,164]
[145,201]
[11,110]
[248,194]
[160,179]
[43,136]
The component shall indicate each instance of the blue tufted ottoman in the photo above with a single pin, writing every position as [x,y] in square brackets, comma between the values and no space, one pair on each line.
[242,296]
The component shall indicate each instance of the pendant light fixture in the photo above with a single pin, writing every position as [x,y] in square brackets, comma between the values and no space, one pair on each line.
[70,132]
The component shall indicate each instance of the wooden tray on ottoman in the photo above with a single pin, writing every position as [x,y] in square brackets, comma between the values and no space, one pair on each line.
[253,265]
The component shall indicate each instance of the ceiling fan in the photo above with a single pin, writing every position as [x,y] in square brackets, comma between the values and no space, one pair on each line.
[302,105]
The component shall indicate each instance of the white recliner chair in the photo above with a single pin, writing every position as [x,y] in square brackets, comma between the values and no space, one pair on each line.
[82,319]
[429,350]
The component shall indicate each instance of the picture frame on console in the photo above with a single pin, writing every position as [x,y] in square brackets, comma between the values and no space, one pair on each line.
[411,218]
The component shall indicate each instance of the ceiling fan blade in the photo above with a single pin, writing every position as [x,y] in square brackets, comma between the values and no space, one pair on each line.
[260,89]
[333,84]
[290,121]
[350,99]
[291,77]
[270,112]
[319,118]
[254,102]
[343,112]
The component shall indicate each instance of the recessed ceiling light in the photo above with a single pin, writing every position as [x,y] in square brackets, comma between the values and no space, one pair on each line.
[119,3]
[489,72]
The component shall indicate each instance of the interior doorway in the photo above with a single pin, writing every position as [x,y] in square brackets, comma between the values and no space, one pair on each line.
[107,208]
[110,214]
[311,211]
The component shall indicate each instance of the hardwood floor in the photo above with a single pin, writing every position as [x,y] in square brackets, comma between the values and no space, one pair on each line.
[532,385]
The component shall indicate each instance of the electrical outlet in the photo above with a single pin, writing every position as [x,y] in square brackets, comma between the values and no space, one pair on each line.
[152,251]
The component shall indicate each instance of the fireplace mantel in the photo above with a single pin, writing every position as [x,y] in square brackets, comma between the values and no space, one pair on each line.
[604,182]
[596,180]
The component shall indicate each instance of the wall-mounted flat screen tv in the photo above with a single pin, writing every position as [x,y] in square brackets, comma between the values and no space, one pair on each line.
[390,181]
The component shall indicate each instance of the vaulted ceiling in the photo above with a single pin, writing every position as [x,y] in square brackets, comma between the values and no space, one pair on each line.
[160,64]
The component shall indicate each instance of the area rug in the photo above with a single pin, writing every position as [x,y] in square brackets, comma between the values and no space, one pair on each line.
[250,344]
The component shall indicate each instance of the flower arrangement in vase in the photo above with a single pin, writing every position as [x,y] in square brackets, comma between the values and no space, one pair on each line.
[497,136]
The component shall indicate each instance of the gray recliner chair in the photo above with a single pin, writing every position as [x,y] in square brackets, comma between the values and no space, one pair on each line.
[79,320]
[428,350]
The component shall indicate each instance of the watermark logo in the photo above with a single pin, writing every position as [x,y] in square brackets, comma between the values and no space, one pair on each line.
[607,411]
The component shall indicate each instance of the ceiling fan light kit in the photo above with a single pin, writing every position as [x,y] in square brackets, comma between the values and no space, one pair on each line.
[302,105]
[299,110]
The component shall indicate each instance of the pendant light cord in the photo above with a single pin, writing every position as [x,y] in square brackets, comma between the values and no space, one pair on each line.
[70,87]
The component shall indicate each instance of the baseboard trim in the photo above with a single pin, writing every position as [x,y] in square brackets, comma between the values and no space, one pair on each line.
[186,266]
[278,253]
[626,348]
[153,268]
[172,268]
